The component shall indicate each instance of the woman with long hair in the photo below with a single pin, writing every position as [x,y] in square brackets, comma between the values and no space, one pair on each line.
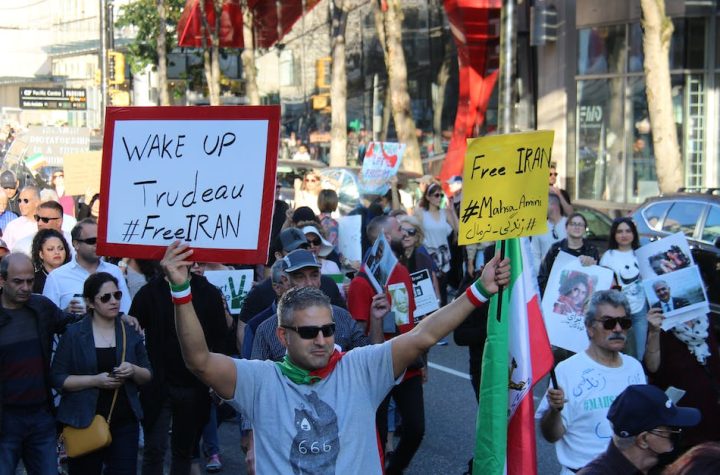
[620,258]
[95,379]
[439,225]
[414,256]
[308,190]
[49,251]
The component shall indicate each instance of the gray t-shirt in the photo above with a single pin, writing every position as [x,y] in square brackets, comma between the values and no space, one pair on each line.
[327,427]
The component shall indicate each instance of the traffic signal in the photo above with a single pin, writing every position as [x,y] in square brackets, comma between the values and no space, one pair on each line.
[116,68]
[323,73]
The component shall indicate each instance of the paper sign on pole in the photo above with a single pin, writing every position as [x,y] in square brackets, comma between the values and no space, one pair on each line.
[201,175]
[381,162]
[82,173]
[234,285]
[505,186]
[350,237]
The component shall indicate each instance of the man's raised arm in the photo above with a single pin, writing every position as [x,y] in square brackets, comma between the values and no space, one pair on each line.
[408,346]
[213,369]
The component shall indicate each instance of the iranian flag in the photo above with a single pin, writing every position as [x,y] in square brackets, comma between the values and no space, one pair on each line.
[517,345]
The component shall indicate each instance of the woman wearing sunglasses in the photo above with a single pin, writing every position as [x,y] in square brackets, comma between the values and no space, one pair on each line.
[95,379]
[439,224]
[414,257]
[308,190]
[49,251]
[620,258]
[318,245]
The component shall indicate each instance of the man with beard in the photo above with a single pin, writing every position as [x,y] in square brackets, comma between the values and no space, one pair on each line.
[574,414]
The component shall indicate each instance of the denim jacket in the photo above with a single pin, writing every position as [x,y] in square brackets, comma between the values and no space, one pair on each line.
[76,355]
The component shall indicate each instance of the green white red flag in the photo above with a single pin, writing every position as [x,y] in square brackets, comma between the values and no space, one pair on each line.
[517,345]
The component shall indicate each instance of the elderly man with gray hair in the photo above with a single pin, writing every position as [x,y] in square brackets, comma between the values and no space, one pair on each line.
[574,414]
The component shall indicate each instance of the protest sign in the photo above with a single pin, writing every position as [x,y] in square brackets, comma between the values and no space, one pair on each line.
[82,173]
[679,294]
[201,175]
[350,237]
[425,299]
[234,285]
[381,162]
[663,256]
[505,186]
[380,263]
[567,294]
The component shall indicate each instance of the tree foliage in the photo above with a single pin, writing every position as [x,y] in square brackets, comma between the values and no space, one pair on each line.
[143,15]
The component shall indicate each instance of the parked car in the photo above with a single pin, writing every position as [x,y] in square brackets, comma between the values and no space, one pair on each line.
[598,226]
[697,215]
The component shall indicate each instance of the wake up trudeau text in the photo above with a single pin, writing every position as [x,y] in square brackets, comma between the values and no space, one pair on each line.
[179,224]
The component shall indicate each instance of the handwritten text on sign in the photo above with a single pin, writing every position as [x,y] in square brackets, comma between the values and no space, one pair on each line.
[199,181]
[505,190]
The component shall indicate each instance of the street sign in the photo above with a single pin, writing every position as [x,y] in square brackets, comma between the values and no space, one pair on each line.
[58,98]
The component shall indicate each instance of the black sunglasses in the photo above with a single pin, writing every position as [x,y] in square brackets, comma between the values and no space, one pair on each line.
[44,219]
[310,332]
[25,200]
[90,241]
[105,298]
[409,231]
[436,195]
[609,323]
[314,242]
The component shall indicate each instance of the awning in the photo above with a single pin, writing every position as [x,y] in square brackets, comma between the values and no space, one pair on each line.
[272,20]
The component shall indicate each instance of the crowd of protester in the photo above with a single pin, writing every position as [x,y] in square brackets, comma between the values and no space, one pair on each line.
[119,352]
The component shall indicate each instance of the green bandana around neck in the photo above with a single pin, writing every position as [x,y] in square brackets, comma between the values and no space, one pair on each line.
[296,374]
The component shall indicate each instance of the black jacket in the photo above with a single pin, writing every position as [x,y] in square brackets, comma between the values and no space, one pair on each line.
[153,307]
[50,321]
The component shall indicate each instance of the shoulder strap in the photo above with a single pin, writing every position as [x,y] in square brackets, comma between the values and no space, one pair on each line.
[122,358]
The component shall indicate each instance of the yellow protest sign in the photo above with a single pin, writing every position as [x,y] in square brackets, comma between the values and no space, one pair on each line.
[505,186]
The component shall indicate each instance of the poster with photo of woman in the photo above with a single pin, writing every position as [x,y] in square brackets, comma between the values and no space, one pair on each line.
[569,289]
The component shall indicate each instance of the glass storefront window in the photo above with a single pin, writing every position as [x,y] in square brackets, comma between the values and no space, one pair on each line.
[687,48]
[600,145]
[601,50]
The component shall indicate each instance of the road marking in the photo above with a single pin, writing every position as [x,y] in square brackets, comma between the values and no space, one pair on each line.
[445,369]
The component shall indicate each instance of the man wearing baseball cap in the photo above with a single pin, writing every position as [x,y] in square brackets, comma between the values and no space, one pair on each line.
[646,424]
[262,295]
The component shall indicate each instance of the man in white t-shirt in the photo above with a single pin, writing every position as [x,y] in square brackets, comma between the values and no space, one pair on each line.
[314,412]
[574,415]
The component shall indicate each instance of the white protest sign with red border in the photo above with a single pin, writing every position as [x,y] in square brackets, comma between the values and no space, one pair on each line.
[201,175]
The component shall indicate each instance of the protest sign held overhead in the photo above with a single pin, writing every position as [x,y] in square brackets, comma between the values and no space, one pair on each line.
[201,175]
[381,162]
[505,186]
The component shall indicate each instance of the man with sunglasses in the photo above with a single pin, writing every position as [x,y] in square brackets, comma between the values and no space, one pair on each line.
[573,415]
[646,425]
[65,282]
[25,224]
[313,411]
[49,215]
[562,195]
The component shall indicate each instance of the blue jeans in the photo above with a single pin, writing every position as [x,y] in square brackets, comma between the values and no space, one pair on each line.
[28,433]
[210,441]
[120,458]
